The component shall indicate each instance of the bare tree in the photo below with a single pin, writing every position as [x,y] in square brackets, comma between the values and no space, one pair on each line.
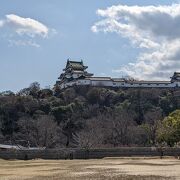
[45,131]
[91,136]
[152,118]
[120,126]
[40,132]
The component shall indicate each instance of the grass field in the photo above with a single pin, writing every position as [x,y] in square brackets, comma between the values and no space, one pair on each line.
[110,168]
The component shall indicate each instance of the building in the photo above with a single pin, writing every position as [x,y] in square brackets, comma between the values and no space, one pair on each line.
[75,74]
[176,77]
[74,70]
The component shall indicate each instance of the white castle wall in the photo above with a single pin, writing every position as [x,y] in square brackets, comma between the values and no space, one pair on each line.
[111,83]
[101,83]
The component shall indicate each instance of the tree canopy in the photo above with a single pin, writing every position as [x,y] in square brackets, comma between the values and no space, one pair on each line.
[169,130]
[121,117]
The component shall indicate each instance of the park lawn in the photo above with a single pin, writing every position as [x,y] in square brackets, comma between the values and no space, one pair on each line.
[102,169]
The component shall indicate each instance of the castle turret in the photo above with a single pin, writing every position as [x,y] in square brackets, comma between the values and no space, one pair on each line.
[176,77]
[74,70]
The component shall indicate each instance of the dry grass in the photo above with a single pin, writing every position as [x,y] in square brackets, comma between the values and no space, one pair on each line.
[105,169]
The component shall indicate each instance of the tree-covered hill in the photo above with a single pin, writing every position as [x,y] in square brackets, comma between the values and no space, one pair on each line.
[87,116]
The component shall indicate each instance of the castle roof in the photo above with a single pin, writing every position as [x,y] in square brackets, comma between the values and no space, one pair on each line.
[177,74]
[75,65]
[176,77]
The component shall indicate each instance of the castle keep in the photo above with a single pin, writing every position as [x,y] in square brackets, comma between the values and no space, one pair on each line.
[75,74]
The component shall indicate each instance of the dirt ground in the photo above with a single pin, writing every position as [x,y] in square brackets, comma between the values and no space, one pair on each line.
[103,169]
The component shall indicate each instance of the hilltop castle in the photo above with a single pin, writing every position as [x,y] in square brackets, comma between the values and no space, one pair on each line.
[75,74]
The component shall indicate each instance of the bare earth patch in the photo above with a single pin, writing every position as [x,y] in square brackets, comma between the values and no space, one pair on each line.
[104,169]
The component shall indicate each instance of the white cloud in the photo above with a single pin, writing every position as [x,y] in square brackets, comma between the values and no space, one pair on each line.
[156,29]
[1,23]
[27,26]
[26,29]
[23,43]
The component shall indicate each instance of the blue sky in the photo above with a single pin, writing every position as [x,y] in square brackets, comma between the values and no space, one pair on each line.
[70,25]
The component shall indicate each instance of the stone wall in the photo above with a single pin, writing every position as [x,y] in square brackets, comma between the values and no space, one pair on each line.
[87,154]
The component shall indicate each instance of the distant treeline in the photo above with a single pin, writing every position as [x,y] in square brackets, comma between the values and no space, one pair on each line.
[90,117]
